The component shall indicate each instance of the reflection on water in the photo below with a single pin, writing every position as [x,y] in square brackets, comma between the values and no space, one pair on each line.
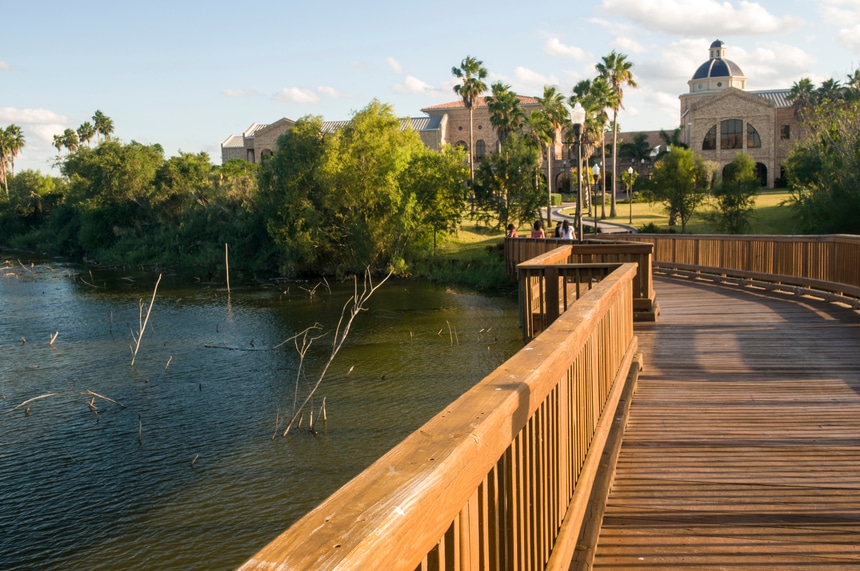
[185,473]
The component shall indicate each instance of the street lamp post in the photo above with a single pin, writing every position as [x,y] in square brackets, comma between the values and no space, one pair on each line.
[577,116]
[629,194]
[596,172]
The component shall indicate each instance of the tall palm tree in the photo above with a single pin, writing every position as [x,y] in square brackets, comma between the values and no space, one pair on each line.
[553,108]
[86,132]
[103,125]
[830,90]
[617,71]
[802,96]
[852,88]
[471,74]
[11,143]
[595,97]
[506,115]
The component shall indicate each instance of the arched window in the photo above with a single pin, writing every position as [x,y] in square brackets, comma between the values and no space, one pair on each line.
[731,134]
[753,140]
[710,142]
[480,149]
[265,155]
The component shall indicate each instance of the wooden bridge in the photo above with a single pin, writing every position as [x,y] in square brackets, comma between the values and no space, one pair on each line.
[722,431]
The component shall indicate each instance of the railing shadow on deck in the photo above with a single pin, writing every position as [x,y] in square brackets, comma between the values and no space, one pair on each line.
[501,478]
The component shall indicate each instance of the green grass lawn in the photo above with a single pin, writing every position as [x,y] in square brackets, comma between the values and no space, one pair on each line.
[772,215]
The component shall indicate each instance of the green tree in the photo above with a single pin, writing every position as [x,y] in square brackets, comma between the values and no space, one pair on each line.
[372,218]
[110,186]
[103,125]
[506,115]
[823,169]
[681,182]
[471,74]
[70,140]
[617,71]
[802,96]
[292,200]
[595,97]
[180,182]
[437,179]
[735,194]
[11,143]
[86,132]
[557,115]
[506,187]
[637,150]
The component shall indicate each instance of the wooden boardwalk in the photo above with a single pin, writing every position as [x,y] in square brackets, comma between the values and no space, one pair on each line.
[742,449]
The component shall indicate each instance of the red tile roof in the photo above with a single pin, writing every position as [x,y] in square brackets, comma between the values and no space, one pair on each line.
[480,102]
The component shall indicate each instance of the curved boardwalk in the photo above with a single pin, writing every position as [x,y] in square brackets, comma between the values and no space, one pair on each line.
[742,449]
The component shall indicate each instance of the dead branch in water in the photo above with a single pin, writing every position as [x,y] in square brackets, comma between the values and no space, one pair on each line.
[44,396]
[91,393]
[145,321]
[54,337]
[353,306]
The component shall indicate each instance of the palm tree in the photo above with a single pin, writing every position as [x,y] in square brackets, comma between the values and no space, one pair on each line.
[553,108]
[11,143]
[103,125]
[472,74]
[830,90]
[86,132]
[70,140]
[617,71]
[506,115]
[852,88]
[802,96]
[595,97]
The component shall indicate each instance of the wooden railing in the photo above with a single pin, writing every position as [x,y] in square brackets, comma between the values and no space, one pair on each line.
[552,251]
[501,478]
[823,263]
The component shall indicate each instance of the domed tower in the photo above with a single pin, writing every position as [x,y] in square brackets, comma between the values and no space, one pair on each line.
[717,73]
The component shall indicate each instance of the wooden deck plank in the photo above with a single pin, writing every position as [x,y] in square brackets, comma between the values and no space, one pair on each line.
[742,449]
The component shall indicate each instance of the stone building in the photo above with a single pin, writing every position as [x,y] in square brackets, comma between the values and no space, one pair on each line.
[720,118]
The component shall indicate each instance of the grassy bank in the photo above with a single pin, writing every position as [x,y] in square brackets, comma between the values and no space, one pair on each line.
[772,215]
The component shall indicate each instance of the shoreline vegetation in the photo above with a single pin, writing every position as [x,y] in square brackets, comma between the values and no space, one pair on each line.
[473,256]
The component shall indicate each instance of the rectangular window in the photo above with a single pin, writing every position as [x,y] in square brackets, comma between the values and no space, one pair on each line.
[785,132]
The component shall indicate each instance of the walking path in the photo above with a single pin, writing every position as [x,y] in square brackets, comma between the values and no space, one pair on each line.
[742,449]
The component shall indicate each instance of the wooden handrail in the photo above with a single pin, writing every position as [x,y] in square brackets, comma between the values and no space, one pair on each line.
[549,251]
[494,479]
[828,263]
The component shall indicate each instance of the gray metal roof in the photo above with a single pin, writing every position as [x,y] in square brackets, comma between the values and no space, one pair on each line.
[779,97]
[417,124]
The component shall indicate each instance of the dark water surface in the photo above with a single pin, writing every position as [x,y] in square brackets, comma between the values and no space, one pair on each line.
[119,487]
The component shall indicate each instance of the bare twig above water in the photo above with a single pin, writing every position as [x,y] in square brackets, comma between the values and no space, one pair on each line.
[353,306]
[144,321]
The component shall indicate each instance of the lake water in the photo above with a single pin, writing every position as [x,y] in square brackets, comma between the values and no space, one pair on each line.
[186,474]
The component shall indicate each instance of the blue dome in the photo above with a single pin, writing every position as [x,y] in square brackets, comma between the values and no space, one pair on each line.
[717,68]
[717,65]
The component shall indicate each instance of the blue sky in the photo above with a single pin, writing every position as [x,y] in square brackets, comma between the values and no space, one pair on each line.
[188,74]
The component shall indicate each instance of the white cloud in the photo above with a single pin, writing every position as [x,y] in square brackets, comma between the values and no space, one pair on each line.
[330,92]
[240,92]
[413,85]
[530,77]
[850,37]
[5,66]
[554,47]
[394,65]
[297,95]
[31,116]
[707,17]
